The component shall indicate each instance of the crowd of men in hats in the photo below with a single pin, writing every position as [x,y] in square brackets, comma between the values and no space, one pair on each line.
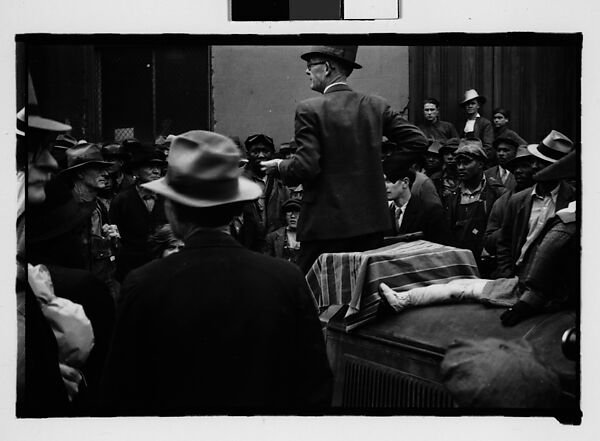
[185,262]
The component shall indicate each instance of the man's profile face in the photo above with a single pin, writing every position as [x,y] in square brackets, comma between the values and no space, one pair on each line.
[468,168]
[40,166]
[394,189]
[472,107]
[538,164]
[500,120]
[95,177]
[316,70]
[431,112]
[505,152]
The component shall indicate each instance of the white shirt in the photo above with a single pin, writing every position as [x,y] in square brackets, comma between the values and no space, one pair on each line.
[470,124]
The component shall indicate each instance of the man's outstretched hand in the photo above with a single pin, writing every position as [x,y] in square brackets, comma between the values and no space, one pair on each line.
[270,167]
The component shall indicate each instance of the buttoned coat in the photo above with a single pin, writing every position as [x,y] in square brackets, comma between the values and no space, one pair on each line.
[216,329]
[515,226]
[338,162]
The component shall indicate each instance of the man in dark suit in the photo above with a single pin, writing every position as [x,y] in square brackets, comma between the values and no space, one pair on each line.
[338,160]
[215,328]
[137,212]
[506,150]
[528,210]
[408,212]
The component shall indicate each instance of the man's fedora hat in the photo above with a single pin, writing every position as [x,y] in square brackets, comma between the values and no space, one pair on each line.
[471,148]
[146,154]
[564,168]
[346,54]
[64,141]
[84,154]
[553,147]
[472,94]
[204,171]
[34,120]
[522,154]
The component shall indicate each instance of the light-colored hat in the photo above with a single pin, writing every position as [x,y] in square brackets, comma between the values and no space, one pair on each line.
[84,154]
[434,148]
[203,171]
[553,147]
[346,54]
[34,120]
[472,94]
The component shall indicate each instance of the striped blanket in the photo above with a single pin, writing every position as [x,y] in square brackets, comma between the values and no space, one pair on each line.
[353,278]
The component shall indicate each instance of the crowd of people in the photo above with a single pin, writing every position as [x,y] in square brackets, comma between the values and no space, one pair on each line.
[169,257]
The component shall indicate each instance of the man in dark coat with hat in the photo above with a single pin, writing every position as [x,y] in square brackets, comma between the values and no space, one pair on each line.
[338,160]
[528,210]
[88,172]
[138,212]
[215,328]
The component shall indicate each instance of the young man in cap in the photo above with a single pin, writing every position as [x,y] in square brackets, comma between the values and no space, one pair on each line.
[338,160]
[477,126]
[468,208]
[138,212]
[433,128]
[500,119]
[215,328]
[283,242]
[506,149]
[264,215]
[449,179]
[88,172]
[528,210]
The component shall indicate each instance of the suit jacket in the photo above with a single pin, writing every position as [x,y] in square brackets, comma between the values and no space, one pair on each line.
[276,242]
[216,328]
[494,224]
[338,162]
[426,217]
[516,226]
[440,130]
[135,224]
[492,174]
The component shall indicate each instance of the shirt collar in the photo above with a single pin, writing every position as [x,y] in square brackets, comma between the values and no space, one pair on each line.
[334,84]
[553,192]
[478,189]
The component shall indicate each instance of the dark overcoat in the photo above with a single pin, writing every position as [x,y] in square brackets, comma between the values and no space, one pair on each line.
[515,226]
[426,217]
[338,162]
[216,329]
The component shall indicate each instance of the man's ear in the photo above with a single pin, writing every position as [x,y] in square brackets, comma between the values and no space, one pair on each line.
[406,181]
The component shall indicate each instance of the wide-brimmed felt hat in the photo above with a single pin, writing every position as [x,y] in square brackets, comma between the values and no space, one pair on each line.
[64,141]
[472,94]
[553,147]
[522,154]
[203,171]
[146,154]
[57,215]
[564,168]
[34,119]
[346,54]
[84,155]
[496,373]
[471,148]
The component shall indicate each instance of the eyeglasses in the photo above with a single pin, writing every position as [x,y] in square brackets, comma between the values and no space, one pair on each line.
[314,63]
